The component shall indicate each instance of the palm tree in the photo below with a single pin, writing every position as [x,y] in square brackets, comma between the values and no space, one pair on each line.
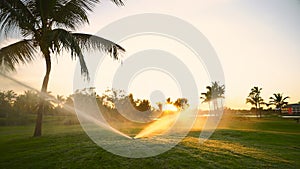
[9,96]
[60,100]
[168,101]
[28,103]
[46,27]
[214,92]
[181,103]
[160,106]
[7,99]
[255,99]
[278,100]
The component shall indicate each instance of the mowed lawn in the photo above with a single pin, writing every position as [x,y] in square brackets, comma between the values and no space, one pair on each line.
[237,143]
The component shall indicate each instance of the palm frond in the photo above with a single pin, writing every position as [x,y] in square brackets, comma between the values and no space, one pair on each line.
[118,2]
[43,9]
[60,39]
[251,101]
[278,100]
[91,42]
[71,14]
[287,97]
[15,14]
[17,53]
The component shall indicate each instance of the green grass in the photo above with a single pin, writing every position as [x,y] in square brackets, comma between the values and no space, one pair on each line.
[238,143]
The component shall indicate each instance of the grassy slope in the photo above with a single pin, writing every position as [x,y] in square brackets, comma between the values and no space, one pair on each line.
[266,143]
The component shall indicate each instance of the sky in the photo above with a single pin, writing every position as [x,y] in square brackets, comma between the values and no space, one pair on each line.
[257,43]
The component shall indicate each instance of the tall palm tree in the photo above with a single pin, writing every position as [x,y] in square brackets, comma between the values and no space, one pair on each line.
[47,28]
[278,100]
[214,92]
[255,99]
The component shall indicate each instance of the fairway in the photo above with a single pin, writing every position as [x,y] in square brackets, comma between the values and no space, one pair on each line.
[237,143]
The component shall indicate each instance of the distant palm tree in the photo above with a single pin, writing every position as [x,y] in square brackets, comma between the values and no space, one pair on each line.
[10,96]
[207,96]
[168,101]
[44,25]
[28,102]
[181,103]
[214,92]
[60,100]
[160,106]
[7,99]
[278,100]
[255,99]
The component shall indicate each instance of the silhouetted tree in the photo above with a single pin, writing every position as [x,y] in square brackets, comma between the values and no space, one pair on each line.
[142,105]
[10,96]
[69,101]
[214,92]
[111,96]
[278,101]
[60,100]
[138,104]
[168,101]
[181,103]
[28,103]
[44,26]
[7,99]
[160,106]
[255,99]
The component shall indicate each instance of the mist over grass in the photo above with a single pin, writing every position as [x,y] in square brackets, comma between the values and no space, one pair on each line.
[238,142]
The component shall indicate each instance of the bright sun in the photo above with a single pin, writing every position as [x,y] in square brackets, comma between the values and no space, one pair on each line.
[169,107]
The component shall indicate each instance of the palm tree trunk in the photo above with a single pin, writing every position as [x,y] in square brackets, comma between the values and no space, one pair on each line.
[215,107]
[256,111]
[39,119]
[259,111]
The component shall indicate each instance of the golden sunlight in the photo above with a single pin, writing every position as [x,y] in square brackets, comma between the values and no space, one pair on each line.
[169,107]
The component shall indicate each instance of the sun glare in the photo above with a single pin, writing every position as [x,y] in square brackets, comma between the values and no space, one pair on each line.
[169,107]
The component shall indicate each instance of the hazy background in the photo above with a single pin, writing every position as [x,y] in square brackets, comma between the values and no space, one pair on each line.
[257,41]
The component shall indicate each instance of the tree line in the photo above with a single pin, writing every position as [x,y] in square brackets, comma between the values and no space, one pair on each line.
[16,109]
[278,100]
[19,109]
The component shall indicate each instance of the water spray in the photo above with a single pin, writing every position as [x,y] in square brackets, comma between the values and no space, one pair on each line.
[69,108]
